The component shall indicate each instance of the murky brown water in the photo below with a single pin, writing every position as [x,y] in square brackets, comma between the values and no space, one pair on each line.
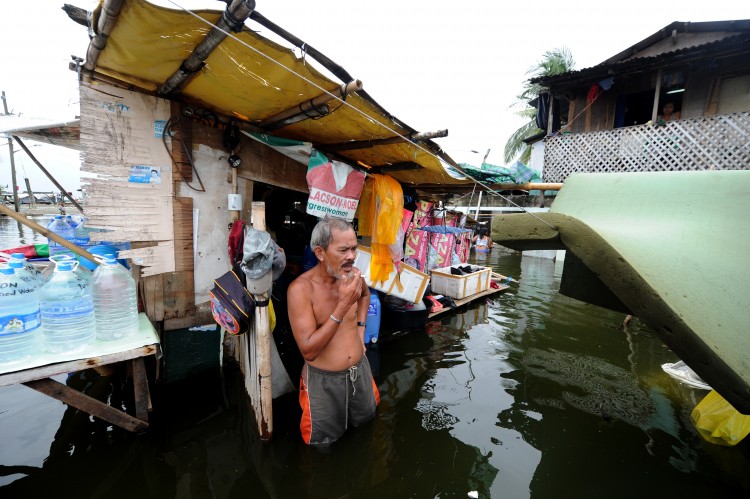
[529,394]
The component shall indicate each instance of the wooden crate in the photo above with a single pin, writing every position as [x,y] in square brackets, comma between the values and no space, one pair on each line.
[460,286]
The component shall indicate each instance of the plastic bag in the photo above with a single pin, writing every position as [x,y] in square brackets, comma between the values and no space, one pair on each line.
[718,422]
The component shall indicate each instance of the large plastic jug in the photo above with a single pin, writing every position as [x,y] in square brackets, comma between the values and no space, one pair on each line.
[19,317]
[82,273]
[372,325]
[115,300]
[62,229]
[18,260]
[67,310]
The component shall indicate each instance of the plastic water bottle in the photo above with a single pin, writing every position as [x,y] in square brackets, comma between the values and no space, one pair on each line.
[19,317]
[67,310]
[62,229]
[71,221]
[81,236]
[83,275]
[30,278]
[16,258]
[372,325]
[115,300]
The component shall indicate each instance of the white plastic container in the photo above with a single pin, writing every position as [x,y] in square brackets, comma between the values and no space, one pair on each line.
[67,310]
[19,317]
[21,258]
[115,300]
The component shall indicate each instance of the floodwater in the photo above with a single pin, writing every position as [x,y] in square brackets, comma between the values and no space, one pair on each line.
[527,394]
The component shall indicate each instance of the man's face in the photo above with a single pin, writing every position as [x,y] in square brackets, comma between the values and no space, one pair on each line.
[339,256]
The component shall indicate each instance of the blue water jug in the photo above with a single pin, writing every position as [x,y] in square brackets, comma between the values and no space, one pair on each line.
[115,300]
[71,221]
[67,310]
[19,317]
[62,229]
[372,325]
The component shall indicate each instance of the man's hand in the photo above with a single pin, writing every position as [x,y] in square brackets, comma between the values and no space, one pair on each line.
[350,288]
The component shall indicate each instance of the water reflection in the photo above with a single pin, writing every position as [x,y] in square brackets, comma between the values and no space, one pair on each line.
[13,233]
[527,394]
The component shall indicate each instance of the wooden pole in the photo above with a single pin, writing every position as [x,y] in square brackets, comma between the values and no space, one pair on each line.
[238,10]
[13,173]
[657,91]
[343,90]
[49,175]
[260,364]
[48,233]
[32,199]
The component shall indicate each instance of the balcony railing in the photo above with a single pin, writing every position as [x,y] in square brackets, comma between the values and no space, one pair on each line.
[719,142]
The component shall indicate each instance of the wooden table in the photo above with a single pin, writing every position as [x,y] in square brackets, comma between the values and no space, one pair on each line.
[100,353]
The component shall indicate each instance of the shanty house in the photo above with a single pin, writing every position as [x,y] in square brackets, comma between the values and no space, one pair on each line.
[606,118]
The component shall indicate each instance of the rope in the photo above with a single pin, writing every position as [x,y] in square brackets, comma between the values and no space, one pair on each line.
[365,115]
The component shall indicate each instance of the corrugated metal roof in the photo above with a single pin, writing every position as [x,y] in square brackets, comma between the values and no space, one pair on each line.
[731,37]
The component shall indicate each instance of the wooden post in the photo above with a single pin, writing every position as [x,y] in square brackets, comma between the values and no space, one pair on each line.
[657,91]
[258,343]
[13,173]
[32,200]
[44,170]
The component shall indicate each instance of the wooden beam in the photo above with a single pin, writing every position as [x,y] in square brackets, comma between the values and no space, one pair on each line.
[234,17]
[366,144]
[395,167]
[74,398]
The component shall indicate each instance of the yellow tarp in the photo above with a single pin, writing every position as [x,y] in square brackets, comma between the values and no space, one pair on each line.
[148,44]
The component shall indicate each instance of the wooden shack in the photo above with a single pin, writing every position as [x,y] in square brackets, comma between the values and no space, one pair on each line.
[179,110]
[606,118]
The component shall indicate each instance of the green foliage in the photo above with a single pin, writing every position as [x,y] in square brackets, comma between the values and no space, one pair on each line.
[553,62]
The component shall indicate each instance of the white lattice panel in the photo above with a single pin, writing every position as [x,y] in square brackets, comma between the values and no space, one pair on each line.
[720,142]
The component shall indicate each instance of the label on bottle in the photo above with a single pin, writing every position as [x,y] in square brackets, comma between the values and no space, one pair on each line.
[18,323]
[70,310]
[372,309]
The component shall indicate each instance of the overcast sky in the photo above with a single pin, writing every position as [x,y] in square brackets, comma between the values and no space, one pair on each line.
[432,63]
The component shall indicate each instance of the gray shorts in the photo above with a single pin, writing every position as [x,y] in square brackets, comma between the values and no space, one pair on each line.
[332,400]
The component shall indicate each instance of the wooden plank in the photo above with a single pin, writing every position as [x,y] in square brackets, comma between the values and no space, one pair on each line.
[140,388]
[69,396]
[152,292]
[179,295]
[201,315]
[182,216]
[468,299]
[25,375]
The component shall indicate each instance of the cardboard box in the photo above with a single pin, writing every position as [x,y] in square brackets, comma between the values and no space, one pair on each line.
[408,284]
[460,286]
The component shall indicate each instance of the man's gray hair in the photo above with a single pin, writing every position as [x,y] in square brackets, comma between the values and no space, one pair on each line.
[321,234]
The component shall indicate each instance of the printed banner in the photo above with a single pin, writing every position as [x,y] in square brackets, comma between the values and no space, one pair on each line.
[415,253]
[334,186]
[441,249]
[463,247]
[321,204]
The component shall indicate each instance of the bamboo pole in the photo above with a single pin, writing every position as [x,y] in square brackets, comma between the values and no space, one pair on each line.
[107,19]
[341,91]
[48,233]
[49,175]
[238,10]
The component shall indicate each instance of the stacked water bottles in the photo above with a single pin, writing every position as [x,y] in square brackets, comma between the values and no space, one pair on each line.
[65,310]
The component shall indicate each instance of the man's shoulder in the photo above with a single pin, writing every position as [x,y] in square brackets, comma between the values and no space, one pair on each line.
[302,283]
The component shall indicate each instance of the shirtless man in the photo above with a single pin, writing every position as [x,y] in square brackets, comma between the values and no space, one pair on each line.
[327,311]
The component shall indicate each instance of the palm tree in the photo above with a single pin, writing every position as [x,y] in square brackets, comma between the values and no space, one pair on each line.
[554,62]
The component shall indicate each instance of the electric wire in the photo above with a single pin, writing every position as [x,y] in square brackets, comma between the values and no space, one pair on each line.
[365,115]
